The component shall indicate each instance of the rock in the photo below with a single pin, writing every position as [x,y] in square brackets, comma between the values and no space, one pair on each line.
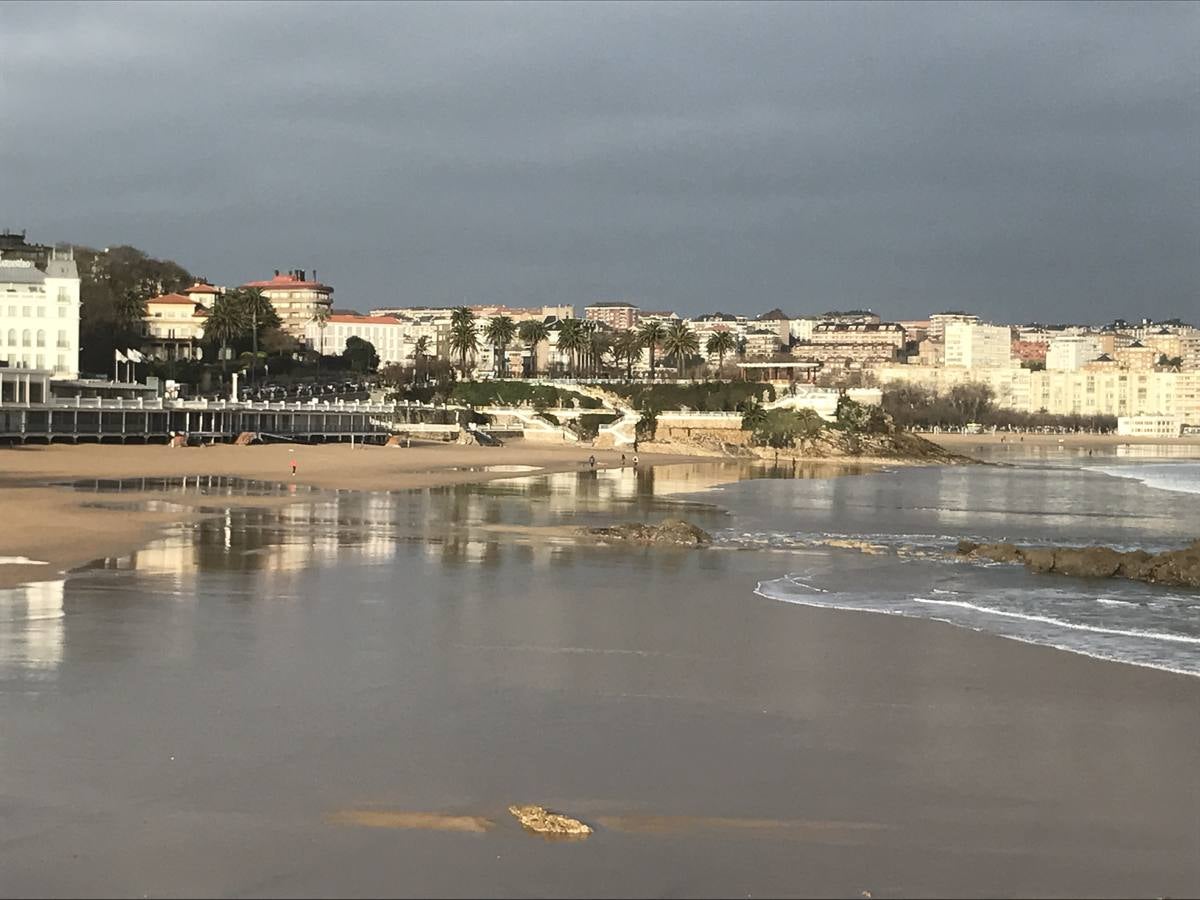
[1001,552]
[1039,559]
[669,532]
[1088,562]
[541,820]
[1177,568]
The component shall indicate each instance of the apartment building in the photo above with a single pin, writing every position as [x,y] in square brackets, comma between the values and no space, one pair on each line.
[970,345]
[1069,353]
[296,298]
[618,316]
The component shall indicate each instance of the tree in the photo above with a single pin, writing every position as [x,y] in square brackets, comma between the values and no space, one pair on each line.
[652,334]
[464,337]
[321,319]
[130,311]
[360,355]
[720,343]
[499,333]
[533,333]
[680,342]
[571,341]
[225,324]
[598,343]
[627,346]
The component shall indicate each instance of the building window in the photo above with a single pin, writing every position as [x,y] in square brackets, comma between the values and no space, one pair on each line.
[12,337]
[62,339]
[63,296]
[26,338]
[41,338]
[25,312]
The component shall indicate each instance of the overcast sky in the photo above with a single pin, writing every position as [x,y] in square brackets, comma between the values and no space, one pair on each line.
[1026,162]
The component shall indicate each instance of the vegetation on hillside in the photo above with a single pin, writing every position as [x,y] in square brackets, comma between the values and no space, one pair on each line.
[707,396]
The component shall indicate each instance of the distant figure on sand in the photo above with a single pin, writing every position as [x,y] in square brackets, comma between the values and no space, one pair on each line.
[592,460]
[622,460]
[635,460]
[293,467]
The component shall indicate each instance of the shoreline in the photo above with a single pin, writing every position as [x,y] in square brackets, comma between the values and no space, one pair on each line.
[957,441]
[62,528]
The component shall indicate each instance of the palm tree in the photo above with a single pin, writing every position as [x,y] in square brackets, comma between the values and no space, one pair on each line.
[226,323]
[627,346]
[533,333]
[571,340]
[464,337]
[420,351]
[320,318]
[680,342]
[652,334]
[131,311]
[499,333]
[598,344]
[720,343]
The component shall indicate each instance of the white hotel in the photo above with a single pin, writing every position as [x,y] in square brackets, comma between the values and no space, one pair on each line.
[39,314]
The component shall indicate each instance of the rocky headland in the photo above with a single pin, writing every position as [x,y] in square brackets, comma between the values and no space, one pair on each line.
[1177,568]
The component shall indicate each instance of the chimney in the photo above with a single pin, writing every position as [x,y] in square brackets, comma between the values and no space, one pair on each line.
[276,273]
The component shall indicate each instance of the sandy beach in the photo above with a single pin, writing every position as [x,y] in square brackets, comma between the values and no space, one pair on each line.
[64,528]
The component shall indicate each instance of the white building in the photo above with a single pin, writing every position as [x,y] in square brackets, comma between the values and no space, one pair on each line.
[1069,353]
[39,314]
[1149,426]
[392,338]
[971,345]
[939,321]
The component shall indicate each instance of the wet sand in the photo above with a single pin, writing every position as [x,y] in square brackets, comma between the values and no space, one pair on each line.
[361,729]
[63,529]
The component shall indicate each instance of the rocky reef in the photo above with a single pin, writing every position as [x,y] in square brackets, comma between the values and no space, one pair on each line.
[1177,568]
[668,533]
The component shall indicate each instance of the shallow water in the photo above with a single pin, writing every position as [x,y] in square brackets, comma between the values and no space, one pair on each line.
[913,518]
[345,694]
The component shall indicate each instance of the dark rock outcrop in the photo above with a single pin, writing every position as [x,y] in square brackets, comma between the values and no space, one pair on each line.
[669,533]
[1179,568]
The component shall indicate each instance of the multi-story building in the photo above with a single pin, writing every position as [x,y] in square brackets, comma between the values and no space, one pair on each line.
[392,338]
[971,345]
[915,330]
[849,317]
[1029,351]
[39,310]
[296,299]
[801,329]
[174,326]
[938,322]
[618,316]
[1068,353]
[779,323]
[1110,392]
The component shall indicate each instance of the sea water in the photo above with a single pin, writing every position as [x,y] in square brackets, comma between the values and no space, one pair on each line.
[885,544]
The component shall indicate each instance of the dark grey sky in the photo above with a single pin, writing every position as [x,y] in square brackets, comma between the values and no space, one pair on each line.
[1034,161]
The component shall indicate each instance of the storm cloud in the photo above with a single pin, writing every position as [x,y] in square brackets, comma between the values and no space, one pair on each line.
[1024,161]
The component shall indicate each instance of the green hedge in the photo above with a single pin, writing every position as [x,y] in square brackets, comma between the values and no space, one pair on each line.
[517,393]
[708,396]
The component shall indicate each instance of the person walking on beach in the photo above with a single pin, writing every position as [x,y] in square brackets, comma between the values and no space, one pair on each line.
[293,464]
[635,460]
[592,460]
[622,460]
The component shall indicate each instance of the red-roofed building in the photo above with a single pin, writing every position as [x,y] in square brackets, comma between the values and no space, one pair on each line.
[174,326]
[204,293]
[297,299]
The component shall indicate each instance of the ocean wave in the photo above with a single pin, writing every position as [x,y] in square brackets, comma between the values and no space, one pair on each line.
[1180,477]
[1166,651]
[1050,620]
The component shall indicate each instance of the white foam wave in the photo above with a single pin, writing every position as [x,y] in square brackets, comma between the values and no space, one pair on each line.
[21,561]
[1074,626]
[1181,478]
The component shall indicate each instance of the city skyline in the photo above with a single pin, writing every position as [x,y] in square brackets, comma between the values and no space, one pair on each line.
[1025,162]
